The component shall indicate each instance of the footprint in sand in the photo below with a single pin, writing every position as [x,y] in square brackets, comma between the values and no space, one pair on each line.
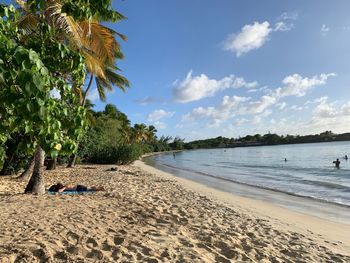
[91,243]
[118,240]
[107,245]
[95,254]
[76,250]
[73,238]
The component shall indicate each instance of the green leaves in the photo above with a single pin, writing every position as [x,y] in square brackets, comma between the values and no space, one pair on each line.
[39,81]
[30,68]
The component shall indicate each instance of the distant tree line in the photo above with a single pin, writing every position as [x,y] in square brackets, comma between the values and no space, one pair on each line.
[266,139]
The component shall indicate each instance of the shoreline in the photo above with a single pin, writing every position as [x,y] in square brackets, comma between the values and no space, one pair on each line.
[146,215]
[282,217]
[323,209]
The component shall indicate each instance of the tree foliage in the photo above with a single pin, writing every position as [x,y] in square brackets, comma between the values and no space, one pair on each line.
[28,77]
[266,139]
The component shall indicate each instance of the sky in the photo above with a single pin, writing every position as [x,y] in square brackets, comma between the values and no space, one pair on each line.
[206,68]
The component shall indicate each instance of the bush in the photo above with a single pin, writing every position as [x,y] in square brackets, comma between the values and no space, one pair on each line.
[116,154]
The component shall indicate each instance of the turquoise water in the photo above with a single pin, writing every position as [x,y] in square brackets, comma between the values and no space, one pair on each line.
[308,171]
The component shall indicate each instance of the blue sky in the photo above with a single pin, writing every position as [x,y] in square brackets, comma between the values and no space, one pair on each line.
[207,68]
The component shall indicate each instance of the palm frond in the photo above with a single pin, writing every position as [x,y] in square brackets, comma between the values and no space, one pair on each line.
[94,65]
[118,54]
[101,89]
[89,105]
[29,23]
[123,37]
[64,22]
[99,40]
[116,79]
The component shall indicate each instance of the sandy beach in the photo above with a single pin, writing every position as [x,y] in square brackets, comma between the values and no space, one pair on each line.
[146,215]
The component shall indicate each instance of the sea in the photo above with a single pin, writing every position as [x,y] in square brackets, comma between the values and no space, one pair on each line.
[301,177]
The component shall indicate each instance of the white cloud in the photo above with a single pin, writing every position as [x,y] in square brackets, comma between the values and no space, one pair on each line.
[295,85]
[158,115]
[254,36]
[218,114]
[324,30]
[326,116]
[93,95]
[282,26]
[249,38]
[296,108]
[159,125]
[281,105]
[146,100]
[259,106]
[345,109]
[241,121]
[194,88]
[317,100]
[257,119]
[325,110]
[288,16]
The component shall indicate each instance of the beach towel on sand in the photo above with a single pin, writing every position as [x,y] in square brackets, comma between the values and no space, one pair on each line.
[70,192]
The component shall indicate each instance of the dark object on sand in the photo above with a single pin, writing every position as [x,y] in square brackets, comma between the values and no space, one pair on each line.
[77,188]
[113,169]
[89,167]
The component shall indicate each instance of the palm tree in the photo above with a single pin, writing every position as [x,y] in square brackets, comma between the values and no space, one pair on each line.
[93,41]
[35,184]
[140,133]
[151,133]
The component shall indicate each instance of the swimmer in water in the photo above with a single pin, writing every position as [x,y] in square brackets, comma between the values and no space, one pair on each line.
[337,163]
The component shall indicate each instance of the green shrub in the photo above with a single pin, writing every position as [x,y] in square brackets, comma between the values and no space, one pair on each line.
[123,154]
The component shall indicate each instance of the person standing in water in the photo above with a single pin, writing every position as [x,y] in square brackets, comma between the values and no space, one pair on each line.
[346,157]
[174,155]
[337,163]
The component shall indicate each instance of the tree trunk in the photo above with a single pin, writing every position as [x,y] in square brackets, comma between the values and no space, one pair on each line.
[72,160]
[36,183]
[27,171]
[87,90]
[52,164]
[6,168]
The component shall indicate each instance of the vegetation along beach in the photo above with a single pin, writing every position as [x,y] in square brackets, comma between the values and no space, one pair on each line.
[174,131]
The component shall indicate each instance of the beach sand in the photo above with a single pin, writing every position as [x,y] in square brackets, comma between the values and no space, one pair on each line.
[146,215]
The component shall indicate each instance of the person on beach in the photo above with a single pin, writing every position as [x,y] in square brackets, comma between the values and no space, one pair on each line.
[337,163]
[79,188]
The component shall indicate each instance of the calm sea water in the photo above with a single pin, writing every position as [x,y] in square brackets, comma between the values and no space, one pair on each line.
[308,172]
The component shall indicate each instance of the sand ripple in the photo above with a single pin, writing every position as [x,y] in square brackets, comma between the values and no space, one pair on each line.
[140,218]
